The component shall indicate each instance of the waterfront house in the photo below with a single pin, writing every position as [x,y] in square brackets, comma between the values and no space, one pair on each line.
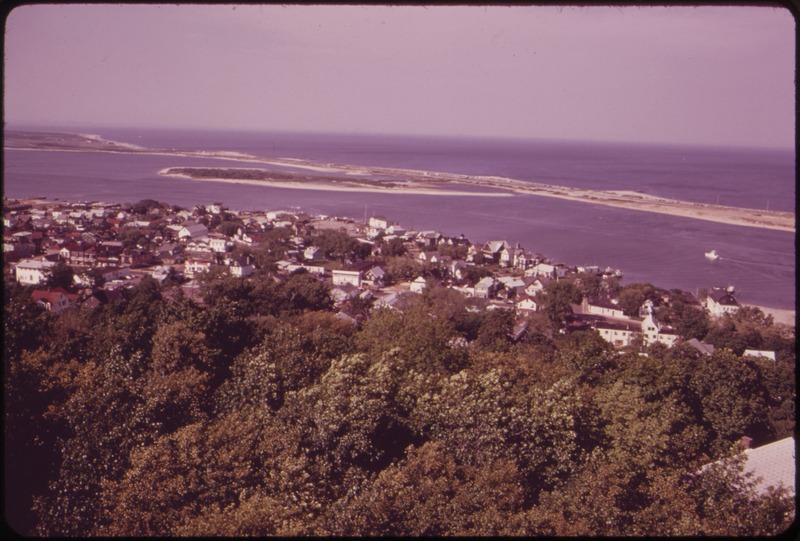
[721,301]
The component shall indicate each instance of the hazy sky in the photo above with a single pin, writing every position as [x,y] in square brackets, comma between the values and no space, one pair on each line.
[713,75]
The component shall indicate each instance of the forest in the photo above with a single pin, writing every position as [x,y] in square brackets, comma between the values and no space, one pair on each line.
[256,411]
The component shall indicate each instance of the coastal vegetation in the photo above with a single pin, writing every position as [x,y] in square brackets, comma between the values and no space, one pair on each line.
[253,408]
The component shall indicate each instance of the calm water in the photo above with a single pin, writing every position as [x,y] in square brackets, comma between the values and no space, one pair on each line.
[666,251]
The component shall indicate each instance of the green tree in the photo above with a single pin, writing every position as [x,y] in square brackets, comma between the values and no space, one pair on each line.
[61,275]
[556,300]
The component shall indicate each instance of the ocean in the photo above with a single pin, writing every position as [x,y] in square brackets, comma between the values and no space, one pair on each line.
[663,250]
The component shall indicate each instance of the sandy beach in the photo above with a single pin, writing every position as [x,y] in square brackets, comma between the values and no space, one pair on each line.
[780,315]
[416,182]
[334,188]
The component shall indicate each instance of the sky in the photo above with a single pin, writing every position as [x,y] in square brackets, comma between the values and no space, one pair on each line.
[714,75]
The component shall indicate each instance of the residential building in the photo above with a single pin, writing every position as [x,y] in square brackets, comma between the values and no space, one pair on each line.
[341,277]
[721,301]
[32,271]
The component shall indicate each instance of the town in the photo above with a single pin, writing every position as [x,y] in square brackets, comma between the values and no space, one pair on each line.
[328,366]
[107,248]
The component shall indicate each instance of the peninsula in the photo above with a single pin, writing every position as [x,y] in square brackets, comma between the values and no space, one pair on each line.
[306,174]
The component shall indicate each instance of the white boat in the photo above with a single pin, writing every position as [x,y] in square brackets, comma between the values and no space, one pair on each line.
[712,254]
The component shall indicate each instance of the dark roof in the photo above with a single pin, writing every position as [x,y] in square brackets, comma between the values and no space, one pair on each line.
[722,296]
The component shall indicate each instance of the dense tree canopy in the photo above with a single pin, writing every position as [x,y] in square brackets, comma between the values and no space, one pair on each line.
[258,411]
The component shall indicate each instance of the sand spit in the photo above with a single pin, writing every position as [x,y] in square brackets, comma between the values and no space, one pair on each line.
[331,187]
[427,182]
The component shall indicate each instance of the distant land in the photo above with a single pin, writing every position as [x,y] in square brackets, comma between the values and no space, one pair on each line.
[344,177]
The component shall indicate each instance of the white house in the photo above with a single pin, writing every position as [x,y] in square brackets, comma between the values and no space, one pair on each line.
[618,333]
[193,231]
[240,267]
[720,301]
[656,332]
[418,285]
[194,267]
[376,226]
[484,288]
[341,277]
[312,253]
[602,307]
[526,306]
[547,270]
[760,353]
[32,271]
[219,243]
[376,275]
[622,333]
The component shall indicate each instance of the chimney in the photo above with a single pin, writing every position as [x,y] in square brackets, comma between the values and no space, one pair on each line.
[746,441]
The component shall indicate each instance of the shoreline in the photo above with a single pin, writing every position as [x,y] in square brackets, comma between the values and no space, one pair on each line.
[626,199]
[785,316]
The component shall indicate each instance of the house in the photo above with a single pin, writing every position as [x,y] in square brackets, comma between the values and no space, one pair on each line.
[526,306]
[771,466]
[192,231]
[240,267]
[376,275]
[100,297]
[519,331]
[622,333]
[760,353]
[193,267]
[602,306]
[161,273]
[135,257]
[618,333]
[344,292]
[376,225]
[219,243]
[702,347]
[492,249]
[418,285]
[313,253]
[485,288]
[32,271]
[457,268]
[654,332]
[429,257]
[534,284]
[341,277]
[56,300]
[721,301]
[547,270]
[169,251]
[428,238]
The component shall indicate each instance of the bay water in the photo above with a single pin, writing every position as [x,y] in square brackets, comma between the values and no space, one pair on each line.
[664,250]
